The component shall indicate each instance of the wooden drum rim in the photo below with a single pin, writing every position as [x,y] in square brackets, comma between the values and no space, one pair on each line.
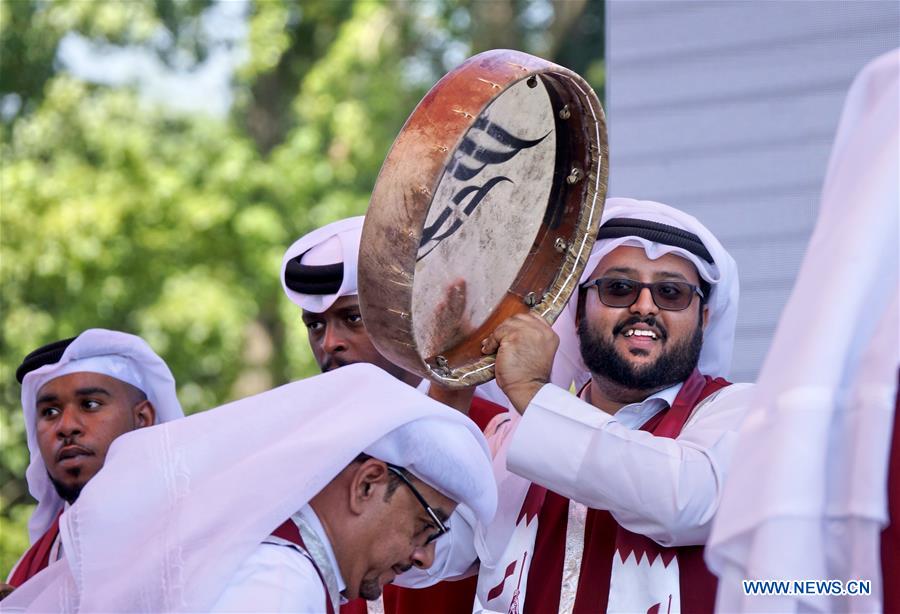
[411,173]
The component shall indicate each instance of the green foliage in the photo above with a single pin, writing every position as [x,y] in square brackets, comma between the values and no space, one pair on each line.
[31,30]
[118,214]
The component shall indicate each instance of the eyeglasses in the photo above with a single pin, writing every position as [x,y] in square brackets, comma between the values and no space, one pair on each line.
[620,292]
[441,527]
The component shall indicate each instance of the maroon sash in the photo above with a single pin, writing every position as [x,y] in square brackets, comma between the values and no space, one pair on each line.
[890,537]
[37,557]
[603,536]
[357,606]
[288,531]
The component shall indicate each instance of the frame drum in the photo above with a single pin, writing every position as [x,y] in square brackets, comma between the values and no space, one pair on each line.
[486,206]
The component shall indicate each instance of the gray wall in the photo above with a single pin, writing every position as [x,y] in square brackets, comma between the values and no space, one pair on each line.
[727,110]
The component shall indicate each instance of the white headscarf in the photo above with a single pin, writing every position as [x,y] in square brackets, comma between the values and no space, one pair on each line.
[718,338]
[819,429]
[170,537]
[125,357]
[333,243]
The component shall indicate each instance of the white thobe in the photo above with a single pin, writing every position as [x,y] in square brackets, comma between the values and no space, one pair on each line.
[666,489]
[280,577]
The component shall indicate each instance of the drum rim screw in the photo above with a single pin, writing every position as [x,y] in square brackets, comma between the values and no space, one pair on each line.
[532,81]
[530,299]
[560,244]
[565,113]
[575,175]
[442,362]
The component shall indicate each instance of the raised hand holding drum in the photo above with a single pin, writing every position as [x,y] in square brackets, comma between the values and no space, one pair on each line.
[487,205]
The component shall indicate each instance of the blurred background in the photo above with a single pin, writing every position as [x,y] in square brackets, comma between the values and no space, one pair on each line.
[158,157]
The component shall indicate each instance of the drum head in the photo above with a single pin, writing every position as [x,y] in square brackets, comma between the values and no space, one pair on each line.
[487,205]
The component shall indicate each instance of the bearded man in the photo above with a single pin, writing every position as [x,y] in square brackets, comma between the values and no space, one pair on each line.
[78,395]
[607,497]
[268,504]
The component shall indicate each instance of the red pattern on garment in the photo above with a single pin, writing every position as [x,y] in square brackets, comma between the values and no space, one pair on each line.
[628,543]
[357,606]
[37,557]
[533,504]
[498,590]
[603,535]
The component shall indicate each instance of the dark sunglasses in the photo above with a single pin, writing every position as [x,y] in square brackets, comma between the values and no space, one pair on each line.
[620,292]
[441,527]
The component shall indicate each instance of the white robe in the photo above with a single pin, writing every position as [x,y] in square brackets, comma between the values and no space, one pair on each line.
[666,489]
[280,576]
[275,578]
[223,479]
[830,377]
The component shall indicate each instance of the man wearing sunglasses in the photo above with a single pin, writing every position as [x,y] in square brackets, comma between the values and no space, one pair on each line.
[617,486]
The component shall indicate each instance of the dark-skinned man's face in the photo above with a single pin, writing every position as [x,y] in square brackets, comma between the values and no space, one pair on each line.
[338,337]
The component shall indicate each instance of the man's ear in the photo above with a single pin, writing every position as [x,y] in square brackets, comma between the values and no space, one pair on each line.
[144,414]
[368,483]
[704,317]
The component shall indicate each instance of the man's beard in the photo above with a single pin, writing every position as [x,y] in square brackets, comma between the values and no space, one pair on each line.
[369,589]
[674,365]
[68,494]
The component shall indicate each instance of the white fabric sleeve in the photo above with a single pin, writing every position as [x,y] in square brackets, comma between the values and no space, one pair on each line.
[454,554]
[666,489]
[274,578]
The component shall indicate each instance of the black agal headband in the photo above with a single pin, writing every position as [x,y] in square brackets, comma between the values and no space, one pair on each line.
[46,355]
[309,279]
[619,227]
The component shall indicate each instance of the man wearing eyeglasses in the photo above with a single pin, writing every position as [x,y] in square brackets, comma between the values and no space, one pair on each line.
[374,521]
[613,491]
[293,511]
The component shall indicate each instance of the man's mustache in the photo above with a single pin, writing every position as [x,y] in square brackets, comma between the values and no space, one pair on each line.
[650,321]
[332,363]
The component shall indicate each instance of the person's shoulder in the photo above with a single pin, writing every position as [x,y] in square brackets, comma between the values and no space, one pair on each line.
[733,387]
[274,578]
[726,396]
[727,404]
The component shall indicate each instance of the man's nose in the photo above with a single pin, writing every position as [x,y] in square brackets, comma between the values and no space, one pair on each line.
[334,340]
[423,556]
[69,423]
[644,304]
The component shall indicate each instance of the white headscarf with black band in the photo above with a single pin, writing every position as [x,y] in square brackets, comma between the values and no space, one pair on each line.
[808,501]
[320,267]
[170,537]
[125,357]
